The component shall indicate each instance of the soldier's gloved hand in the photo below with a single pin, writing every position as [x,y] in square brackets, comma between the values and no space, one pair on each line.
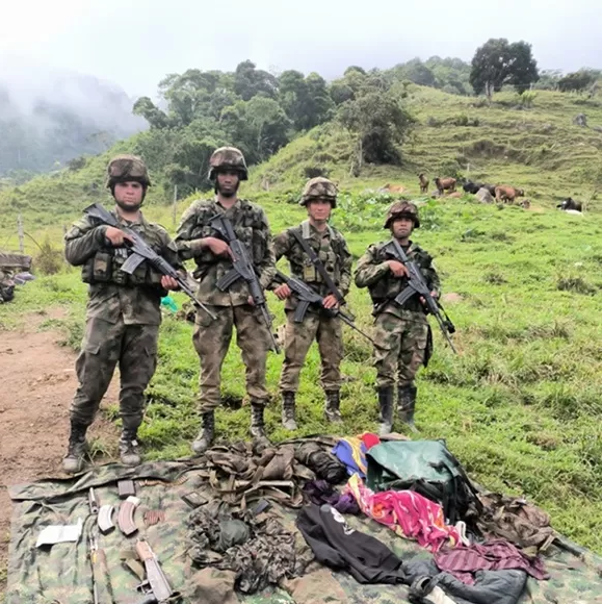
[330,302]
[398,268]
[217,246]
[169,283]
[117,237]
[283,291]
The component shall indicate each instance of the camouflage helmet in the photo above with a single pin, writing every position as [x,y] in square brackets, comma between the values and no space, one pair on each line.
[319,188]
[124,168]
[402,209]
[228,158]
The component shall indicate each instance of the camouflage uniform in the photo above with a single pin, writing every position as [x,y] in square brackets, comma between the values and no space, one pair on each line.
[122,324]
[212,338]
[330,247]
[403,332]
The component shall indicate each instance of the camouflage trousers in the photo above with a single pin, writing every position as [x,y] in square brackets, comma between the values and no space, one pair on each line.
[328,333]
[104,345]
[403,348]
[211,340]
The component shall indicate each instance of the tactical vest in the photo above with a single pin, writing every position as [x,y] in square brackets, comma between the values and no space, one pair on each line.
[387,287]
[249,231]
[330,258]
[104,267]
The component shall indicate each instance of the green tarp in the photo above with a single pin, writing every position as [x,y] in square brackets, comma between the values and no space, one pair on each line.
[62,573]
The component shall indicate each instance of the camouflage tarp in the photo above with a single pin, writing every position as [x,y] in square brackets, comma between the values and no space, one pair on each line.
[62,574]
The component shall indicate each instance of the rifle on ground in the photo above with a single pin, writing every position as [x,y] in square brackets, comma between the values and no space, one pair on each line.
[306,296]
[102,590]
[418,285]
[242,268]
[156,585]
[141,252]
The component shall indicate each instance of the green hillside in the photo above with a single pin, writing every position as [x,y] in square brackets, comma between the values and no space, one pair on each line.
[520,405]
[538,149]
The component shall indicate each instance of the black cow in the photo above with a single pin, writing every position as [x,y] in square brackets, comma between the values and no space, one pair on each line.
[471,187]
[570,204]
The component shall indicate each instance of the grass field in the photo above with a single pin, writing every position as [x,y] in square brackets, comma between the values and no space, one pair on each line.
[520,405]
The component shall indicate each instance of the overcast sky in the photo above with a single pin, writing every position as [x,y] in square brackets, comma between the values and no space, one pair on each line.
[135,43]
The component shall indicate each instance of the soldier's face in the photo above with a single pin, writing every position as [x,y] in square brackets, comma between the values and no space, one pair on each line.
[319,209]
[227,182]
[128,195]
[402,227]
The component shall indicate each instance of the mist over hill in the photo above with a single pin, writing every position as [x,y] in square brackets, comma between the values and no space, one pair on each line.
[49,117]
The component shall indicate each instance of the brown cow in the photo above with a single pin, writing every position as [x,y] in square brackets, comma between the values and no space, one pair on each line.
[389,188]
[424,183]
[445,184]
[507,193]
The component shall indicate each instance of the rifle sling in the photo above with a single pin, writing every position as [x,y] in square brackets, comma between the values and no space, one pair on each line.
[319,266]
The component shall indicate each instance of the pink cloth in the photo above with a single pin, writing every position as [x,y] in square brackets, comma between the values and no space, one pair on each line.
[407,513]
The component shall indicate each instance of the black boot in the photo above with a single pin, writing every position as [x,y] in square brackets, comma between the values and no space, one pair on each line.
[73,462]
[128,448]
[333,402]
[385,402]
[257,422]
[406,403]
[288,411]
[205,438]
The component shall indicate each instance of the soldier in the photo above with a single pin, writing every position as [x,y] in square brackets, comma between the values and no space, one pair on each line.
[233,307]
[123,311]
[329,274]
[404,331]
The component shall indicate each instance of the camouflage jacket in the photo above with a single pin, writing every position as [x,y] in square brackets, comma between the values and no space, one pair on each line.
[374,273]
[252,229]
[330,247]
[112,293]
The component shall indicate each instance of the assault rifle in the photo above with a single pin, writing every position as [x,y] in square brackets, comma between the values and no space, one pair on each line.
[156,585]
[141,252]
[242,268]
[307,296]
[417,285]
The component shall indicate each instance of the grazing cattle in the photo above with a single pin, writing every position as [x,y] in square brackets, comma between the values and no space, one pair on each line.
[507,193]
[455,195]
[445,184]
[424,183]
[525,203]
[570,204]
[471,187]
[389,188]
[484,196]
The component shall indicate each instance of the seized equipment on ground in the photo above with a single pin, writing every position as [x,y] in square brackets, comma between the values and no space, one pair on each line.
[125,519]
[307,296]
[417,285]
[156,584]
[92,501]
[60,533]
[141,251]
[242,268]
[105,521]
[126,488]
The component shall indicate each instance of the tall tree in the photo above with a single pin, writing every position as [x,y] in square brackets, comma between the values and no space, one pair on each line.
[380,125]
[259,127]
[249,82]
[497,63]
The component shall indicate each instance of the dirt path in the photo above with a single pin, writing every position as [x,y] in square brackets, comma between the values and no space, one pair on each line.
[37,382]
